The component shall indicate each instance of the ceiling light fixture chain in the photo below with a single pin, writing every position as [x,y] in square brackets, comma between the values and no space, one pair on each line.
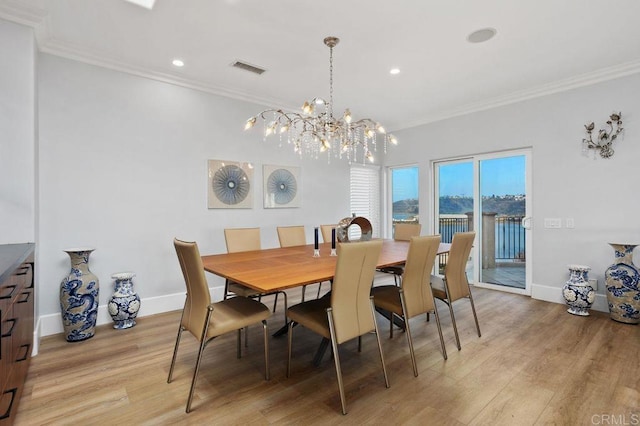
[312,133]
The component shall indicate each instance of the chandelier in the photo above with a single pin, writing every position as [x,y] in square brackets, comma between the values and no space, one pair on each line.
[316,130]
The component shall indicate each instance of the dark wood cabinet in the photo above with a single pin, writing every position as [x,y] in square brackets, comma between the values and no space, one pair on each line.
[16,324]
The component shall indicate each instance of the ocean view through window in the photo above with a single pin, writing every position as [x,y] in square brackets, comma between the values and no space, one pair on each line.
[404,194]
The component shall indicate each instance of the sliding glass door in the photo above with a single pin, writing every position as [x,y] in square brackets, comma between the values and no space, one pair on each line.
[490,195]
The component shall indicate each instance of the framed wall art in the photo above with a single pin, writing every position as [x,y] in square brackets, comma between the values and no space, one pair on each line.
[281,186]
[230,185]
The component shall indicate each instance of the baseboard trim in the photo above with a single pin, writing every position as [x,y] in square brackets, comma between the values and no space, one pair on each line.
[554,294]
[50,324]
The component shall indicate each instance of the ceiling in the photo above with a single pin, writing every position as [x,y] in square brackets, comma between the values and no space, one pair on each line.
[541,47]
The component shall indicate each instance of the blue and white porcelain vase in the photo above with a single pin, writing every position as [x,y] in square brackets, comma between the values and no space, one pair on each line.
[125,303]
[577,292]
[79,296]
[622,279]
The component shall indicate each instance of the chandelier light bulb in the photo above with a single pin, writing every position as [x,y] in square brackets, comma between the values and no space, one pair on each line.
[271,129]
[347,116]
[284,128]
[380,128]
[393,140]
[250,122]
[368,133]
[307,108]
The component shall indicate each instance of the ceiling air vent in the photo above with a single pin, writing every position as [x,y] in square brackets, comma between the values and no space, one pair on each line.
[247,67]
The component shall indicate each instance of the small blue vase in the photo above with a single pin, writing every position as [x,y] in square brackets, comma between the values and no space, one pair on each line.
[125,303]
[577,292]
[79,297]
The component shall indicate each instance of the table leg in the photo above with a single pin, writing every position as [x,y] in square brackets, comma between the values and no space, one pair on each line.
[399,322]
[283,330]
[324,344]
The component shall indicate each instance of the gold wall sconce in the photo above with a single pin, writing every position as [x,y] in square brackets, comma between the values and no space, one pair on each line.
[605,137]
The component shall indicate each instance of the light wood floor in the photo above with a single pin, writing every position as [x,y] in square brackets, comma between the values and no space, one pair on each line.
[534,364]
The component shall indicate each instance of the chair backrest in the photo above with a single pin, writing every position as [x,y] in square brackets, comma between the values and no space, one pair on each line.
[351,288]
[242,239]
[417,274]
[326,232]
[455,271]
[290,236]
[198,297]
[404,231]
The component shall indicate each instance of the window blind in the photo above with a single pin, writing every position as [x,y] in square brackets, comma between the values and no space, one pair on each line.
[365,197]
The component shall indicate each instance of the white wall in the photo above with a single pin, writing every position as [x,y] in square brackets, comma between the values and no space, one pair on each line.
[123,168]
[17,133]
[601,195]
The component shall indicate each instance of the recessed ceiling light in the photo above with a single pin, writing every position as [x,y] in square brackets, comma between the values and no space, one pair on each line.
[394,71]
[178,62]
[480,36]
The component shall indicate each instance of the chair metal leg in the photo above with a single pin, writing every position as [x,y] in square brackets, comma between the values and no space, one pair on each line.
[453,322]
[473,308]
[375,324]
[319,288]
[435,314]
[359,343]
[453,318]
[390,325]
[286,306]
[239,344]
[175,352]
[304,289]
[407,329]
[195,374]
[336,358]
[175,349]
[290,334]
[246,337]
[203,344]
[275,302]
[267,372]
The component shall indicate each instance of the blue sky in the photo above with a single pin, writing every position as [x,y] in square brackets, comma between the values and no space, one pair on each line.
[499,176]
[405,183]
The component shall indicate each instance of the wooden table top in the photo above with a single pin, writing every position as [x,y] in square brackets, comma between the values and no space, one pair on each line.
[281,268]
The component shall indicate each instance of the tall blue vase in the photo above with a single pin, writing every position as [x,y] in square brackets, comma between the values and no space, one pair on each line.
[623,285]
[79,297]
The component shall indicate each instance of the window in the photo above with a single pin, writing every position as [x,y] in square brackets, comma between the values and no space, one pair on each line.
[404,195]
[365,197]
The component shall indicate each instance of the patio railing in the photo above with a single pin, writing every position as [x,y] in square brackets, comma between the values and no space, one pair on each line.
[507,243]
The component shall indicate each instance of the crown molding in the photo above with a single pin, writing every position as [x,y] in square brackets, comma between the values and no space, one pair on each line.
[15,11]
[582,80]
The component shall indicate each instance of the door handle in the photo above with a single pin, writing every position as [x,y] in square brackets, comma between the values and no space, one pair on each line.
[526,222]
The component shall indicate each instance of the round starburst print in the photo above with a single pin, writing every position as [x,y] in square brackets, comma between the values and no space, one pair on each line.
[282,184]
[230,184]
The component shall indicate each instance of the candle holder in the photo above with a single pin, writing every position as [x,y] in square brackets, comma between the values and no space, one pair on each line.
[333,242]
[316,248]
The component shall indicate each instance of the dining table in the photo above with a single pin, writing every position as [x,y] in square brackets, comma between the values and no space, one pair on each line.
[283,268]
[277,269]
